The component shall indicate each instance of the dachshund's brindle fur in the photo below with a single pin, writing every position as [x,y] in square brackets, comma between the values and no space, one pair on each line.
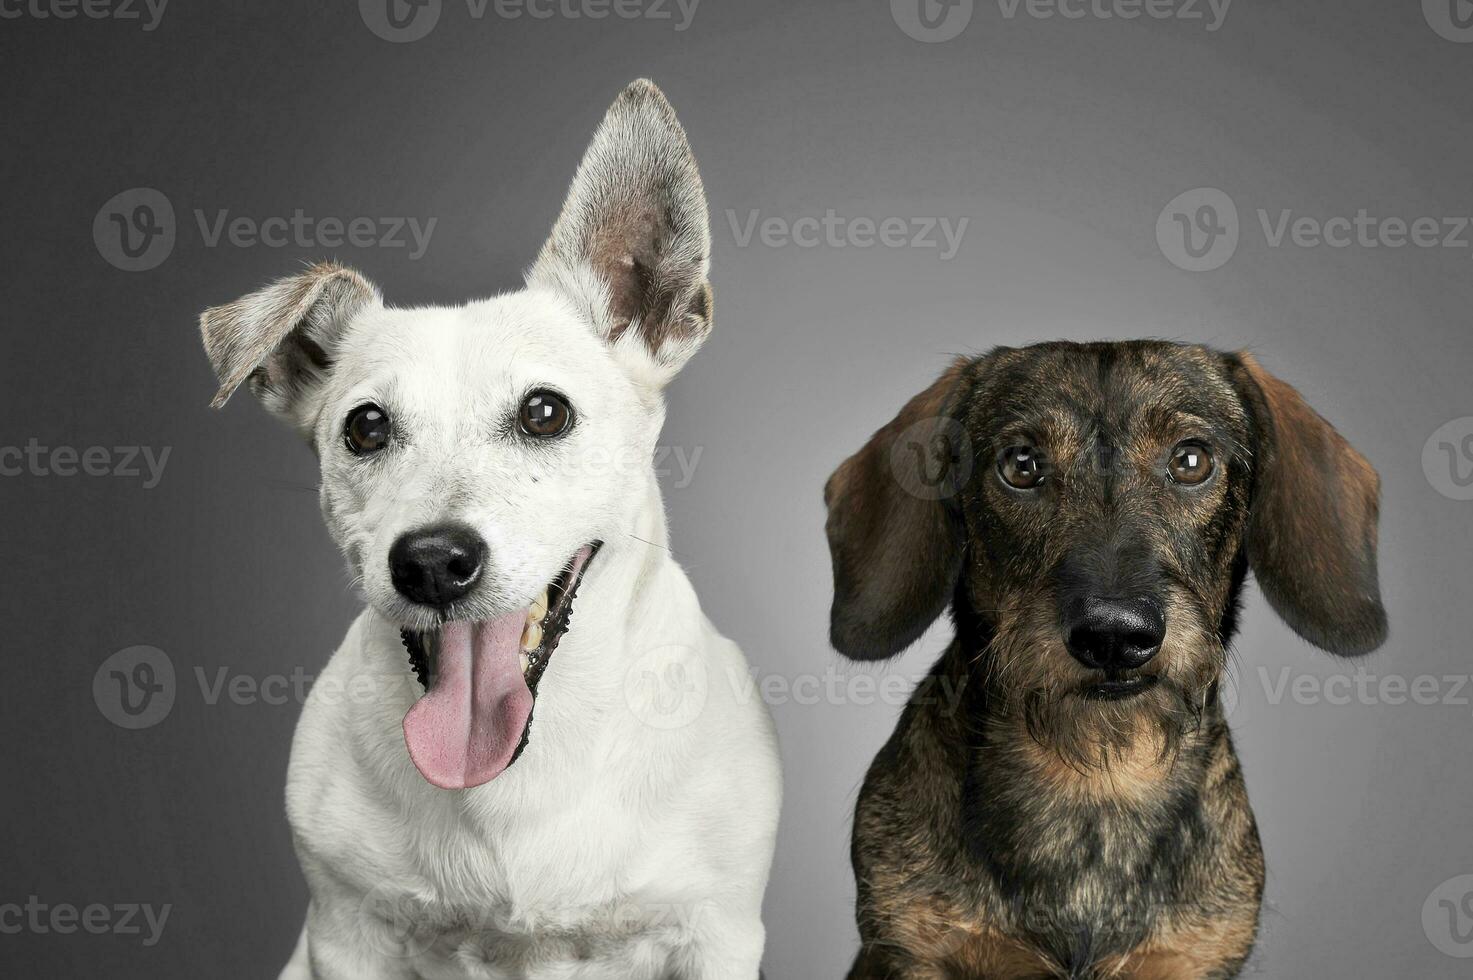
[1070,816]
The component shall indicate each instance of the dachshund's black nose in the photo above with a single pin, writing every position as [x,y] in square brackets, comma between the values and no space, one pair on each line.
[1114,634]
[437,565]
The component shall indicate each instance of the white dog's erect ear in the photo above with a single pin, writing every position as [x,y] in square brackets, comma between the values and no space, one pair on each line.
[281,338]
[632,245]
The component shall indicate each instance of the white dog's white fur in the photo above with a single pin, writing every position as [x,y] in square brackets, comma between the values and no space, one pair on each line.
[633,837]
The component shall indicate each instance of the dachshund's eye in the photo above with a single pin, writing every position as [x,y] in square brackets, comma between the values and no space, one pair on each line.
[1191,464]
[1022,467]
[367,430]
[545,414]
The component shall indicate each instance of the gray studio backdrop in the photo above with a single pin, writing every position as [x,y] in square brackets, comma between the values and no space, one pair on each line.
[1287,177]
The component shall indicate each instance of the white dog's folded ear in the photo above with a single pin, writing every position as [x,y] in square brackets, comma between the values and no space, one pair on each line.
[632,245]
[281,338]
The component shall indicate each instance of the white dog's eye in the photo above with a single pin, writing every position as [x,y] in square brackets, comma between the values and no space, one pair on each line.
[544,414]
[367,430]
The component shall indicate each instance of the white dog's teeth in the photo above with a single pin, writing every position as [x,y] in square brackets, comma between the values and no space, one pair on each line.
[526,664]
[532,637]
[539,609]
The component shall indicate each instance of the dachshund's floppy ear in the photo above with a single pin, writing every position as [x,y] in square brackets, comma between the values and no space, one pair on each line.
[1312,531]
[894,528]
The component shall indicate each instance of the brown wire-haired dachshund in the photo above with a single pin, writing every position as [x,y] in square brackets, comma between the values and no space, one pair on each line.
[1089,513]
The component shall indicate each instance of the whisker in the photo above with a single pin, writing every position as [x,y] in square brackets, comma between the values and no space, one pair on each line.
[654,544]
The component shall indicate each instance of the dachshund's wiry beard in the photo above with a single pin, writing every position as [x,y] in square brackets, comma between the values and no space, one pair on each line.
[1031,680]
[1095,735]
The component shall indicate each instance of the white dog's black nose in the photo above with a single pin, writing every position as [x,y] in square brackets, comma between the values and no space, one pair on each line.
[437,565]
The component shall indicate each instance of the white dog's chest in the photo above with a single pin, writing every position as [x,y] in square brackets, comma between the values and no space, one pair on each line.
[628,941]
[619,851]
[538,900]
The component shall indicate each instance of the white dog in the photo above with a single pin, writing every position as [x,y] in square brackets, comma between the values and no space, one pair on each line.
[480,464]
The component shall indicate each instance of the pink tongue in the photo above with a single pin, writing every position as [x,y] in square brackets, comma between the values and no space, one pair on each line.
[466,729]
